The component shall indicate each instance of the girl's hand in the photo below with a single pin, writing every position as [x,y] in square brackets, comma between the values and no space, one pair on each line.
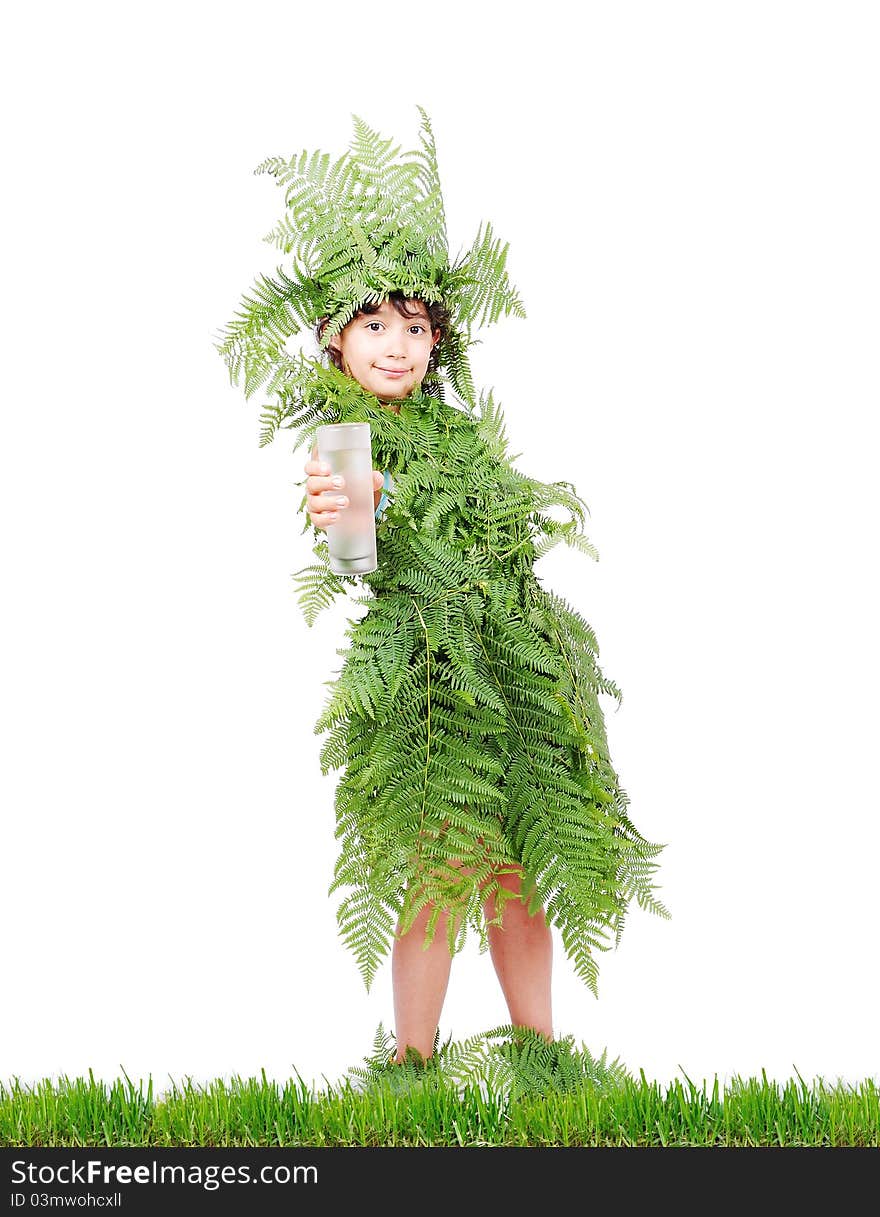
[325,508]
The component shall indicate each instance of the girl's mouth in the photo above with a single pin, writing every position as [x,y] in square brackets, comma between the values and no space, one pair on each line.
[395,372]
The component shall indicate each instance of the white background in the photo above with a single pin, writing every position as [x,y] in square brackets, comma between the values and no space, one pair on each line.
[690,192]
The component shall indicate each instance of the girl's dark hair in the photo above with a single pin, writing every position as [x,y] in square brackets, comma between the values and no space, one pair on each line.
[438,316]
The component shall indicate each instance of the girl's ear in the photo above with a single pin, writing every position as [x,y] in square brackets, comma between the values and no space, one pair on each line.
[323,325]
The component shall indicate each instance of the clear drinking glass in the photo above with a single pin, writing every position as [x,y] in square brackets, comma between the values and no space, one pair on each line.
[347,449]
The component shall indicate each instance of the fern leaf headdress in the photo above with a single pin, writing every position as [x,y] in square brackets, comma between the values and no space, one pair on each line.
[369,224]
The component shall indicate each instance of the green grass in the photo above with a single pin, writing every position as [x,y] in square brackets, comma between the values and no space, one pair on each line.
[495,1089]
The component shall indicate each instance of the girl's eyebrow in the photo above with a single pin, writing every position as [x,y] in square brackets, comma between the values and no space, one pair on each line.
[417,320]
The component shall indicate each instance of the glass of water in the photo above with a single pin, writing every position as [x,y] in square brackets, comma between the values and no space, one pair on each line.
[347,449]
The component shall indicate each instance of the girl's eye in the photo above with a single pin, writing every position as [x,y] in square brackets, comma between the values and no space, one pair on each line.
[418,326]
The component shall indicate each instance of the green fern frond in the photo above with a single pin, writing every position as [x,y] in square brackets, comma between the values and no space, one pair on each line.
[484,292]
[427,177]
[318,585]
[508,1061]
[380,1072]
[272,417]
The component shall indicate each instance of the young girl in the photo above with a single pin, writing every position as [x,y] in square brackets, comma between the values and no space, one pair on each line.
[478,791]
[387,349]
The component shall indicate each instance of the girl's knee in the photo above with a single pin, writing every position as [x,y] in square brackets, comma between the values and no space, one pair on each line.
[514,897]
[428,910]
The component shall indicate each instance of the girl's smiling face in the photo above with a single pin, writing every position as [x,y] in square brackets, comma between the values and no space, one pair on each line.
[386,352]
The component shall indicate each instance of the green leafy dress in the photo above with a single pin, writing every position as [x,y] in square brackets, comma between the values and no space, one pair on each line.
[465,718]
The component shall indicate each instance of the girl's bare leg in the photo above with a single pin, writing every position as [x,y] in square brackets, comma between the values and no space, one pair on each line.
[522,952]
[419,978]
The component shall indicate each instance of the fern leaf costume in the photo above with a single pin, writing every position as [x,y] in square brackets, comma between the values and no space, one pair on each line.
[465,717]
